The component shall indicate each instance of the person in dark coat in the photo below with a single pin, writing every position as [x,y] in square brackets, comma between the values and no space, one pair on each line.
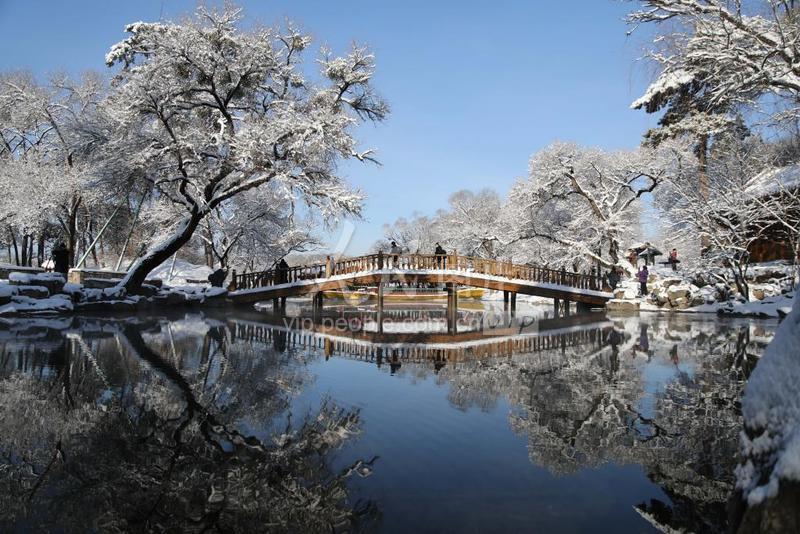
[440,255]
[283,271]
[60,256]
[217,278]
[613,278]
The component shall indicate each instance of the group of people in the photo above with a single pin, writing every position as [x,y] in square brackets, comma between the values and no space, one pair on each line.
[439,252]
[643,273]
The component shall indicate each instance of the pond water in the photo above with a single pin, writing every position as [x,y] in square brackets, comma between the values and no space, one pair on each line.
[246,421]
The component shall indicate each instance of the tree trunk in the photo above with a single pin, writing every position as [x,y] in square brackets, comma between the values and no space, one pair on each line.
[40,249]
[91,240]
[25,250]
[209,252]
[14,241]
[72,229]
[702,183]
[159,254]
[30,251]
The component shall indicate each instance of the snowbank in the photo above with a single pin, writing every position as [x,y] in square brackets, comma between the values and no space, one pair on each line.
[183,272]
[770,443]
[778,306]
[22,304]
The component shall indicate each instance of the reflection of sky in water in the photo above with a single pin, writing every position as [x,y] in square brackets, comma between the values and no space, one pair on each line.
[464,470]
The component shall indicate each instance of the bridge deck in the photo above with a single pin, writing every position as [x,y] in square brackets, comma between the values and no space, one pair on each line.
[416,269]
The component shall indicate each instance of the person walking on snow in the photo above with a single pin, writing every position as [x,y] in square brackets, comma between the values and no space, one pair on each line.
[642,276]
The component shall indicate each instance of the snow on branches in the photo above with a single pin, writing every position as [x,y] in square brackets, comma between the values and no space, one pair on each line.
[722,54]
[581,204]
[204,112]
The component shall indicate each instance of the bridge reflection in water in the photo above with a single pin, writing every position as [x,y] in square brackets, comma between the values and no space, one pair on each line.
[354,335]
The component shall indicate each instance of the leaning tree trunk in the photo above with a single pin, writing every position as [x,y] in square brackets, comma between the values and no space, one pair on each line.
[159,254]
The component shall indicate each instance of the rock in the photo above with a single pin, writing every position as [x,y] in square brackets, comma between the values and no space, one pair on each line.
[107,306]
[148,290]
[675,293]
[780,513]
[620,305]
[619,293]
[757,293]
[672,281]
[172,298]
[54,282]
[681,303]
[698,299]
[34,292]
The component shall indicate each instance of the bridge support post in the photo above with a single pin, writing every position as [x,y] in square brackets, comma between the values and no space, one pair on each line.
[379,318]
[505,300]
[582,307]
[556,308]
[566,307]
[513,303]
[452,308]
[316,302]
[275,305]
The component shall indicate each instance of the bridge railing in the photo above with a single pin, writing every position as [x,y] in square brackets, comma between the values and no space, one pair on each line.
[411,262]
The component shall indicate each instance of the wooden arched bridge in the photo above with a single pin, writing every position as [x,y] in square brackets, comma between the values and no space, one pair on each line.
[450,270]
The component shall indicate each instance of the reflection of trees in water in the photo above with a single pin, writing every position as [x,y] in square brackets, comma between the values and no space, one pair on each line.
[585,408]
[102,432]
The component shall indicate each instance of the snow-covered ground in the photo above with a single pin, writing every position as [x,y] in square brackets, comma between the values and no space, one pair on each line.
[689,292]
[182,272]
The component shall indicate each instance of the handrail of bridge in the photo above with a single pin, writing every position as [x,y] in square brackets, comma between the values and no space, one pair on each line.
[432,262]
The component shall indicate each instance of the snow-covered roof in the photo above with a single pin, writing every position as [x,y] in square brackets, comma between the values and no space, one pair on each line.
[774,180]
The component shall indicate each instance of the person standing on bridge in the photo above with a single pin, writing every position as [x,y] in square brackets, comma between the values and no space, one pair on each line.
[395,253]
[440,255]
[282,271]
[642,276]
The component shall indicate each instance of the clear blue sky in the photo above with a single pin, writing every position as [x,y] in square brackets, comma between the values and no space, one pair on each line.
[475,87]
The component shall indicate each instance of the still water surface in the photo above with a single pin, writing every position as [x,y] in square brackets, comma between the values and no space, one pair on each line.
[242,420]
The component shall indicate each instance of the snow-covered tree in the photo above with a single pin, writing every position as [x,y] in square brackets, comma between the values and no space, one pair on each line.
[724,53]
[724,212]
[583,203]
[716,58]
[40,128]
[255,229]
[203,112]
[418,234]
[471,223]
